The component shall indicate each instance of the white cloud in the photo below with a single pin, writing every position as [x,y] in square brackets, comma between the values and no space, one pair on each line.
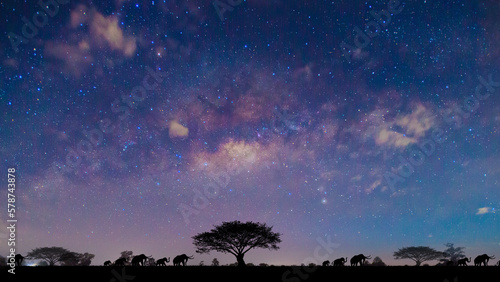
[485,210]
[373,186]
[176,129]
[103,29]
[402,130]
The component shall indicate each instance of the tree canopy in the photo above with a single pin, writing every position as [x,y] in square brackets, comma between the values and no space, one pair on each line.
[51,255]
[452,253]
[418,254]
[127,255]
[73,258]
[237,238]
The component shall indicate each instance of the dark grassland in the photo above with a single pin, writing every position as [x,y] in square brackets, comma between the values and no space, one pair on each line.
[252,273]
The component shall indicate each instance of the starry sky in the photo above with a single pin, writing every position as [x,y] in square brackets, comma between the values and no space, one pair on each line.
[135,125]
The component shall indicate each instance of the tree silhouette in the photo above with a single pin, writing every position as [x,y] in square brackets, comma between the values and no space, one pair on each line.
[377,261]
[452,253]
[70,259]
[215,262]
[51,255]
[418,254]
[86,259]
[127,255]
[237,238]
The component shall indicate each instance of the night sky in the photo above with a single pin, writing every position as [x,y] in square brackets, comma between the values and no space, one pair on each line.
[136,125]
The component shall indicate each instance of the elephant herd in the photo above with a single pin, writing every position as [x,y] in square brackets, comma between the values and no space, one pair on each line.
[481,260]
[140,260]
[355,260]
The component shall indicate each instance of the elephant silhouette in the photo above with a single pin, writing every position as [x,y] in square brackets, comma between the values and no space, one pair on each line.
[326,263]
[482,259]
[498,263]
[162,261]
[340,261]
[120,262]
[18,259]
[107,263]
[181,259]
[359,259]
[463,261]
[139,260]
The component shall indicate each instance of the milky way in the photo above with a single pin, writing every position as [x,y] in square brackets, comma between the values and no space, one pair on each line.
[136,125]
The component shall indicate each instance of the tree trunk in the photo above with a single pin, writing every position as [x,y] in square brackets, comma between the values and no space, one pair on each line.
[240,260]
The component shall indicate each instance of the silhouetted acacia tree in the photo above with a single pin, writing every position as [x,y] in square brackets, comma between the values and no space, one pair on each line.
[452,253]
[51,255]
[215,262]
[418,254]
[237,238]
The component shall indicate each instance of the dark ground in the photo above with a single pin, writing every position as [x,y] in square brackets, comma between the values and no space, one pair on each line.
[254,273]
